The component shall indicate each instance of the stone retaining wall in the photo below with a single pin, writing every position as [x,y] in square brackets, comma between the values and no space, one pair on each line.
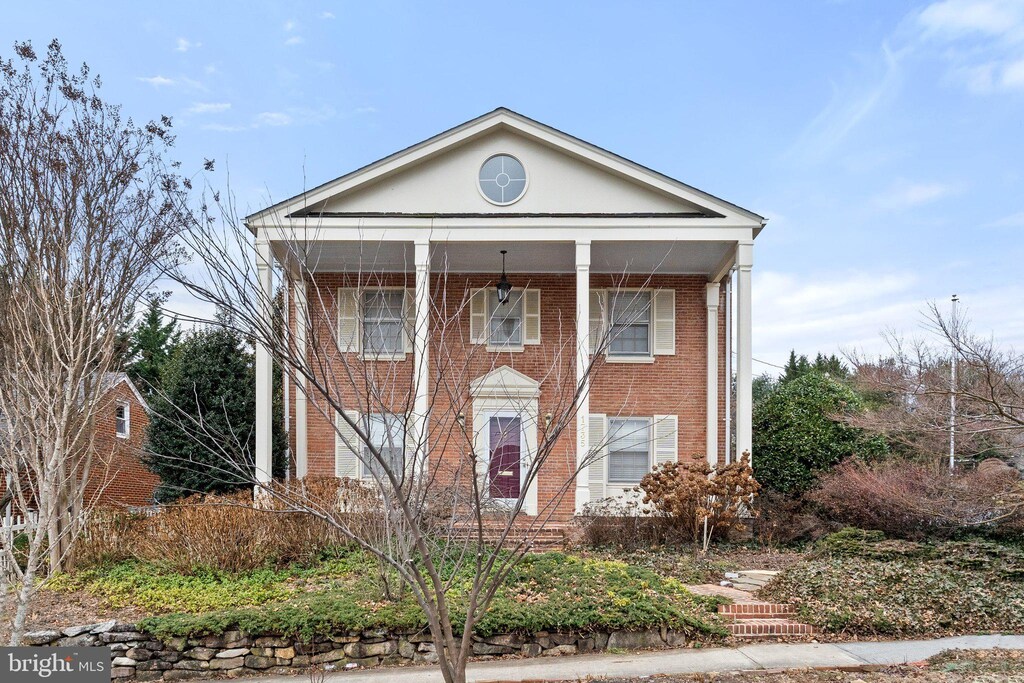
[139,656]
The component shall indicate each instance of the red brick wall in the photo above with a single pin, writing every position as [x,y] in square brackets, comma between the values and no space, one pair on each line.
[670,385]
[118,476]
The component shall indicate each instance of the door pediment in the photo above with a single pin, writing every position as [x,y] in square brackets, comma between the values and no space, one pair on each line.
[504,383]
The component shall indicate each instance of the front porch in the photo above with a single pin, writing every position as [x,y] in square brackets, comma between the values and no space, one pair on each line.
[591,239]
[688,378]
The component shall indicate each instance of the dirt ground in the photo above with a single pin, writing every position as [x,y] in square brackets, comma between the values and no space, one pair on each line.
[52,609]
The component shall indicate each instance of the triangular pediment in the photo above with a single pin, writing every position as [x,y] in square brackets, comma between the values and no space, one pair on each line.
[566,176]
[504,382]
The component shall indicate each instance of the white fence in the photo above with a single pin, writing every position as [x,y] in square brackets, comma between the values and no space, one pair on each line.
[12,524]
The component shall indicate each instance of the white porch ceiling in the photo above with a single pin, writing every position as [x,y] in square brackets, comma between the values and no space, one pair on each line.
[684,257]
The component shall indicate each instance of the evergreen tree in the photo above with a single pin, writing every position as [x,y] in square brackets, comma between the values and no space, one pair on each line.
[211,377]
[152,343]
[799,431]
[798,366]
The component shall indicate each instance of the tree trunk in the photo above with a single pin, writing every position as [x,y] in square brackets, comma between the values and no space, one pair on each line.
[24,598]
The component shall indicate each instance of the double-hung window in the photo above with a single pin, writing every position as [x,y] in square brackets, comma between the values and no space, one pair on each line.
[630,319]
[505,325]
[122,419]
[387,434]
[383,322]
[629,450]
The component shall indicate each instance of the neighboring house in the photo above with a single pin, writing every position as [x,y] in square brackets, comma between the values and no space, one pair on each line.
[590,237]
[121,426]
[118,476]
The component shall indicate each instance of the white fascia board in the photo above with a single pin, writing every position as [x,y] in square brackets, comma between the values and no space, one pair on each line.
[543,231]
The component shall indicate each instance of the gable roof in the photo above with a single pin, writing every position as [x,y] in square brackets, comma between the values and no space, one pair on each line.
[312,201]
[111,380]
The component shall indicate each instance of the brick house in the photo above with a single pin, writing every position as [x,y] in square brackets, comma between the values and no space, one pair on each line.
[121,426]
[594,247]
[118,477]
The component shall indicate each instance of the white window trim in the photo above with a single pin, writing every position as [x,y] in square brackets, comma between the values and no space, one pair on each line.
[127,420]
[609,324]
[650,450]
[365,475]
[523,453]
[365,354]
[508,348]
[526,174]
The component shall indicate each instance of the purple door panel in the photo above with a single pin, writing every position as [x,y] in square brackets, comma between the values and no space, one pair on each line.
[505,442]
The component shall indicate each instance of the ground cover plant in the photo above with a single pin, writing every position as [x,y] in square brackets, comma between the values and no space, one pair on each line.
[860,583]
[342,592]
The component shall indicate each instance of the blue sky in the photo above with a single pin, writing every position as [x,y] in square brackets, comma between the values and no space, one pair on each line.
[883,139]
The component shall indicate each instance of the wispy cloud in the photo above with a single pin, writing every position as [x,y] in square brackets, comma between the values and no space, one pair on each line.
[291,26]
[978,43]
[292,116]
[981,42]
[184,45]
[272,118]
[851,104]
[906,195]
[835,311]
[157,81]
[160,81]
[327,15]
[1014,220]
[208,108]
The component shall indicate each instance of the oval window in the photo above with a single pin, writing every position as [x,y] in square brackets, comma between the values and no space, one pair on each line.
[502,179]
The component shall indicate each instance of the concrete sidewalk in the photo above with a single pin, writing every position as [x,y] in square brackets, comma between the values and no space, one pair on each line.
[746,658]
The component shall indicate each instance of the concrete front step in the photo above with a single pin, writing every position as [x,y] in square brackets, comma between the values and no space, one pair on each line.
[769,628]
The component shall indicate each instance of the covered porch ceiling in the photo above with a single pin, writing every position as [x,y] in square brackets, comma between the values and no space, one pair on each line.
[618,257]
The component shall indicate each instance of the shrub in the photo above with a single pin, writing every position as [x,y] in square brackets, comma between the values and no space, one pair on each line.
[227,533]
[701,500]
[907,500]
[783,520]
[798,431]
[623,525]
[861,584]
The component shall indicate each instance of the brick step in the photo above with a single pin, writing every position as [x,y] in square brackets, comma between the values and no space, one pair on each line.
[548,538]
[757,610]
[769,628]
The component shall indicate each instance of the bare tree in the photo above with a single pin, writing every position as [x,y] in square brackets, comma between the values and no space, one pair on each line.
[87,212]
[442,510]
[911,390]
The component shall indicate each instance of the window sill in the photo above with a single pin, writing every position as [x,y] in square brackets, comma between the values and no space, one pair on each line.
[629,359]
[121,436]
[505,349]
[384,357]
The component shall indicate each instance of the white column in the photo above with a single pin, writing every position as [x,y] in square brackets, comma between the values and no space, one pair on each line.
[712,289]
[582,365]
[744,370]
[301,333]
[728,367]
[264,365]
[421,357]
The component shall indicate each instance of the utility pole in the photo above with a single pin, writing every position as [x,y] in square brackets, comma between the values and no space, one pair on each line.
[952,383]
